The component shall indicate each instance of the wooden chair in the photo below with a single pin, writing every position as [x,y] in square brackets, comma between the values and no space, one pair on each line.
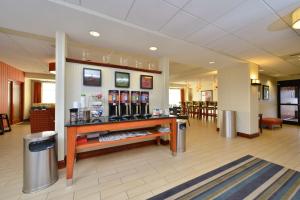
[4,124]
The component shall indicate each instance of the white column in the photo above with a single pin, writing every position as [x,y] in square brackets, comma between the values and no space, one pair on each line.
[236,93]
[60,60]
[164,64]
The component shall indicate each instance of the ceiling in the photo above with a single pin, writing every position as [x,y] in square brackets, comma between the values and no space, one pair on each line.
[189,32]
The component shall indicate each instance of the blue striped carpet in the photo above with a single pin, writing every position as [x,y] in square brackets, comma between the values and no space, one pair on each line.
[246,178]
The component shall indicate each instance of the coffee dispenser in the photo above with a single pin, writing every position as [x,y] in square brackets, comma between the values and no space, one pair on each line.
[145,103]
[135,103]
[113,103]
[124,103]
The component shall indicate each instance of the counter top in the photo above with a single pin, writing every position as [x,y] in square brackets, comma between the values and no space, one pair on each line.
[109,120]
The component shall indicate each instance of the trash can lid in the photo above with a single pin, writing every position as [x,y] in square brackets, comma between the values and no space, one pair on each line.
[45,135]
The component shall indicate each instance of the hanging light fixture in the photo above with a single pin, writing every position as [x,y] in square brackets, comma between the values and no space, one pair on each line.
[296,19]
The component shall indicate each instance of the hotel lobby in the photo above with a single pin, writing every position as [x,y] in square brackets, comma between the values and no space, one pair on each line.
[160,99]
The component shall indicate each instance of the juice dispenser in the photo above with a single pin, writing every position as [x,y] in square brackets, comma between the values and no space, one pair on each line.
[124,103]
[113,103]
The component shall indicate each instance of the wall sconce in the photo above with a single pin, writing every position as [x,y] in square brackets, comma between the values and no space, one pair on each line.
[52,68]
[255,82]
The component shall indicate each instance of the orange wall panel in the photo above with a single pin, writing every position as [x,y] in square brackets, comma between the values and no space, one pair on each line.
[7,73]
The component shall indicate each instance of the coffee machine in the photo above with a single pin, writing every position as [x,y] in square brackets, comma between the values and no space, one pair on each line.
[135,103]
[113,103]
[145,103]
[124,103]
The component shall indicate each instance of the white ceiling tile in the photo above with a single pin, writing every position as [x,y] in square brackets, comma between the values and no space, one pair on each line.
[206,35]
[211,10]
[73,1]
[285,46]
[248,12]
[180,20]
[151,14]
[229,43]
[114,8]
[178,3]
[280,4]
[267,30]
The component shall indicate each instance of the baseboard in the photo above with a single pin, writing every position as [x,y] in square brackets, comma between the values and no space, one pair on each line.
[249,136]
[61,163]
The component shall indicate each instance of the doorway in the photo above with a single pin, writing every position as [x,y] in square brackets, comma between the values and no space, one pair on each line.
[288,101]
[15,101]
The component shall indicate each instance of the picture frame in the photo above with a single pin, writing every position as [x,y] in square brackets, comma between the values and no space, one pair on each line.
[265,92]
[146,82]
[207,95]
[122,80]
[92,77]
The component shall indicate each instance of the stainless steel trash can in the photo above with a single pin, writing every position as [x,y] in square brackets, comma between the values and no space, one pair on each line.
[181,135]
[228,126]
[39,161]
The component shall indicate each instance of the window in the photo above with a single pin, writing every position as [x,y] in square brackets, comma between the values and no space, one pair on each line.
[174,97]
[48,92]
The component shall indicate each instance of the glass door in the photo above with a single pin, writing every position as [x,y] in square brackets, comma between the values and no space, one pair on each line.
[289,104]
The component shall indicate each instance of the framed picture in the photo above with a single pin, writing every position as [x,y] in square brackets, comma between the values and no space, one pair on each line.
[91,77]
[265,92]
[146,82]
[207,95]
[122,79]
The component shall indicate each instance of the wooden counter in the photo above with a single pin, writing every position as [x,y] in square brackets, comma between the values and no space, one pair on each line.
[105,124]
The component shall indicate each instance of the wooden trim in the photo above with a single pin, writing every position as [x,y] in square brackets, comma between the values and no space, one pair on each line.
[72,60]
[249,136]
[106,144]
[61,164]
[51,66]
[99,152]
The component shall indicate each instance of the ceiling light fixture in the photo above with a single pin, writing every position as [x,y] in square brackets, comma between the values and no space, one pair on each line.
[153,48]
[296,19]
[94,33]
[211,62]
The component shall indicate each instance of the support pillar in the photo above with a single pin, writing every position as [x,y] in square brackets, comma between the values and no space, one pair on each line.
[60,60]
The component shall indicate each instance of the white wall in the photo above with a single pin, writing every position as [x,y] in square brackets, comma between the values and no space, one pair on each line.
[75,87]
[269,107]
[204,83]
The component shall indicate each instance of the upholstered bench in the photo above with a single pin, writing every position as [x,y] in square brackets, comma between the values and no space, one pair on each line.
[271,122]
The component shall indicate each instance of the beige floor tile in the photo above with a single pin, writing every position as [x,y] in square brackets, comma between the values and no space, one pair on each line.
[143,172]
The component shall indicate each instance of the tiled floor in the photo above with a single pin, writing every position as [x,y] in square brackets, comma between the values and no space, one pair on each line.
[143,172]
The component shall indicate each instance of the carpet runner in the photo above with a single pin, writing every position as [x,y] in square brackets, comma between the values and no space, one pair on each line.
[246,178]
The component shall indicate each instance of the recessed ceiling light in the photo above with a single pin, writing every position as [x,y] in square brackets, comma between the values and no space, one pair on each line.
[212,62]
[153,48]
[94,33]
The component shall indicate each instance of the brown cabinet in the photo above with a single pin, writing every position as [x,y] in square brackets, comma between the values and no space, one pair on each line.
[42,120]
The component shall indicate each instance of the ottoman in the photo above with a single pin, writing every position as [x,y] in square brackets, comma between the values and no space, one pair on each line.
[271,122]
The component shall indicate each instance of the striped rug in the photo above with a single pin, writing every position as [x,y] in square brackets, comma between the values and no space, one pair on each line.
[246,178]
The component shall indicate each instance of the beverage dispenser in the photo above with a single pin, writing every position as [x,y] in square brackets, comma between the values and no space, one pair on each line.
[145,103]
[113,103]
[124,103]
[135,103]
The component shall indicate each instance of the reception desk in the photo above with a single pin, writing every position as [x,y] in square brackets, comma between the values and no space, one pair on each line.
[117,124]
